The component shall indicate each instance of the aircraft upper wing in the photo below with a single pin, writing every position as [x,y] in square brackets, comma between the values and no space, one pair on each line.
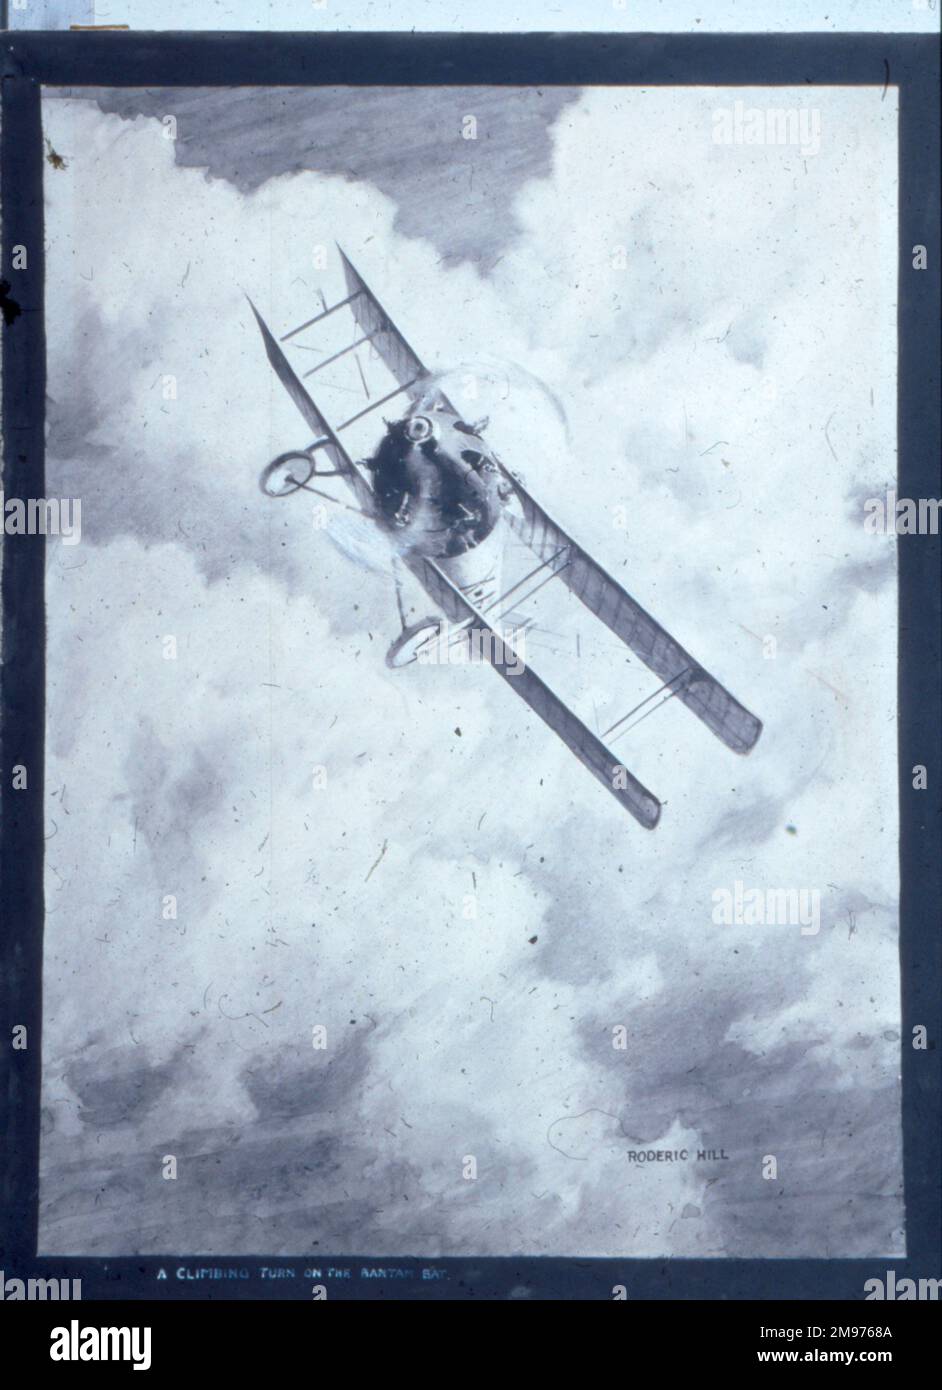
[603,596]
[372,319]
[587,746]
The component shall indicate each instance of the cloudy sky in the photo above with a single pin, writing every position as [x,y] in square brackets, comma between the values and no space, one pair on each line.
[702,334]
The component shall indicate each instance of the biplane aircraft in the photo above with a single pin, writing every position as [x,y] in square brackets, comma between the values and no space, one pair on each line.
[452,512]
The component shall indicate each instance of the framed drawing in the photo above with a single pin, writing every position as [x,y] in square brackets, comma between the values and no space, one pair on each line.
[338,370]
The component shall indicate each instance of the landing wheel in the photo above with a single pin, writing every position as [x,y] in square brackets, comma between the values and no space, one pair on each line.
[294,470]
[404,650]
[286,474]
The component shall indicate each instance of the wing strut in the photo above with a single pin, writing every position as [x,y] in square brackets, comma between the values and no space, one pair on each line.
[623,615]
[374,405]
[317,317]
[335,356]
[325,436]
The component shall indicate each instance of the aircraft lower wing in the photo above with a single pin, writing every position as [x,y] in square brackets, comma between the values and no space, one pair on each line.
[603,596]
[524,681]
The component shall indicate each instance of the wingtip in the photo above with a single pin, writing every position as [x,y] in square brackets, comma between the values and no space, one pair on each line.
[252,306]
[748,745]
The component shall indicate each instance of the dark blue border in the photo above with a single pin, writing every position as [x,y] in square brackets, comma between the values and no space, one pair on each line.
[23,674]
[910,62]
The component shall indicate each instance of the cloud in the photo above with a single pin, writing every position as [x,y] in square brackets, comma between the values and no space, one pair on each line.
[467,913]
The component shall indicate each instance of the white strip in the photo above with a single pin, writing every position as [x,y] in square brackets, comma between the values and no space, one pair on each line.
[490,16]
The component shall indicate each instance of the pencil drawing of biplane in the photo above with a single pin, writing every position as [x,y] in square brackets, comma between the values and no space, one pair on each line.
[456,517]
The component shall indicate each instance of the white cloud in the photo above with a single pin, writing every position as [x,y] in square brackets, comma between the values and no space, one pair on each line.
[756,309]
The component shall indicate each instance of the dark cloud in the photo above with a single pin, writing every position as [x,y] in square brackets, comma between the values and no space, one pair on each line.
[407,142]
